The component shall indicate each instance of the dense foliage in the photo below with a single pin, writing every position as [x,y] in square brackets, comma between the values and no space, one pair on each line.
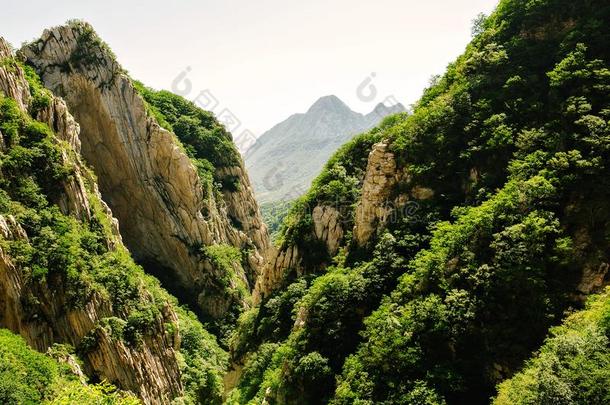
[205,140]
[273,213]
[573,365]
[513,141]
[329,308]
[505,270]
[204,362]
[29,377]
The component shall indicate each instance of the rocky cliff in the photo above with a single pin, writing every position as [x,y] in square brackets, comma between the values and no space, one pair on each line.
[380,179]
[365,176]
[167,213]
[44,310]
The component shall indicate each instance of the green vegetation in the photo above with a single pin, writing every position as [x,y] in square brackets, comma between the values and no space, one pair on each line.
[29,377]
[273,214]
[330,308]
[252,373]
[76,254]
[41,97]
[59,245]
[230,282]
[204,362]
[205,140]
[339,186]
[452,297]
[573,365]
[448,301]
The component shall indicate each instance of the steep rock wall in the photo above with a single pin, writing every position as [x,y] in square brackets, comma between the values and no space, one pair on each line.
[379,181]
[378,199]
[41,312]
[146,178]
[327,229]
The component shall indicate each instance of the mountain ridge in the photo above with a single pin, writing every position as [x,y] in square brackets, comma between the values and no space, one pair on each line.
[160,181]
[285,159]
[434,254]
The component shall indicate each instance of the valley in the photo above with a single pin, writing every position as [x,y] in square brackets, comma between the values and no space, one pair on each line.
[455,253]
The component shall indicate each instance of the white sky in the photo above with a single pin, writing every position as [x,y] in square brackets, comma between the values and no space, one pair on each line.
[267,59]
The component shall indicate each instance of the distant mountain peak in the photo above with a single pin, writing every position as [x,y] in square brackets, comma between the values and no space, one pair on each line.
[382,108]
[285,159]
[329,103]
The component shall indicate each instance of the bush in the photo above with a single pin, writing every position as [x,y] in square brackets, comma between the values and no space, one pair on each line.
[573,365]
[28,377]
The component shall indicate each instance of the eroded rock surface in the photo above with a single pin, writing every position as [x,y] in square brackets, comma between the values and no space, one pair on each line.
[379,181]
[42,312]
[147,179]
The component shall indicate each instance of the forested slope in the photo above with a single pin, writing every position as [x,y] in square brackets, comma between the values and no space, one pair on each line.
[460,234]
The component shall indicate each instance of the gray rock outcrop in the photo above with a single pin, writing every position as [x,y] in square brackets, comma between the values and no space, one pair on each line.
[148,181]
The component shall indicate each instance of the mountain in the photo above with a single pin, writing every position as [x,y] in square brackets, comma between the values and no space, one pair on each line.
[157,159]
[105,183]
[456,255]
[434,257]
[66,278]
[285,159]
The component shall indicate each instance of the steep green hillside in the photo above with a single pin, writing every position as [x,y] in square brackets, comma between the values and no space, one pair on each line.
[29,377]
[573,365]
[273,214]
[511,148]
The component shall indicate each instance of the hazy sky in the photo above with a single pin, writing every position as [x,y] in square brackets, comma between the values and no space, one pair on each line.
[265,60]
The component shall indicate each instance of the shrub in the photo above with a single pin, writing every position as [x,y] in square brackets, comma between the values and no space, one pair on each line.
[28,377]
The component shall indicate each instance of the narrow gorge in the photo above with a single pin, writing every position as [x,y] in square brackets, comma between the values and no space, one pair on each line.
[456,253]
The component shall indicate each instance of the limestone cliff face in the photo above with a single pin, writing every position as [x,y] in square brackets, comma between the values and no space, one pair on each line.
[378,201]
[327,228]
[41,311]
[380,179]
[242,207]
[12,81]
[280,262]
[149,182]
